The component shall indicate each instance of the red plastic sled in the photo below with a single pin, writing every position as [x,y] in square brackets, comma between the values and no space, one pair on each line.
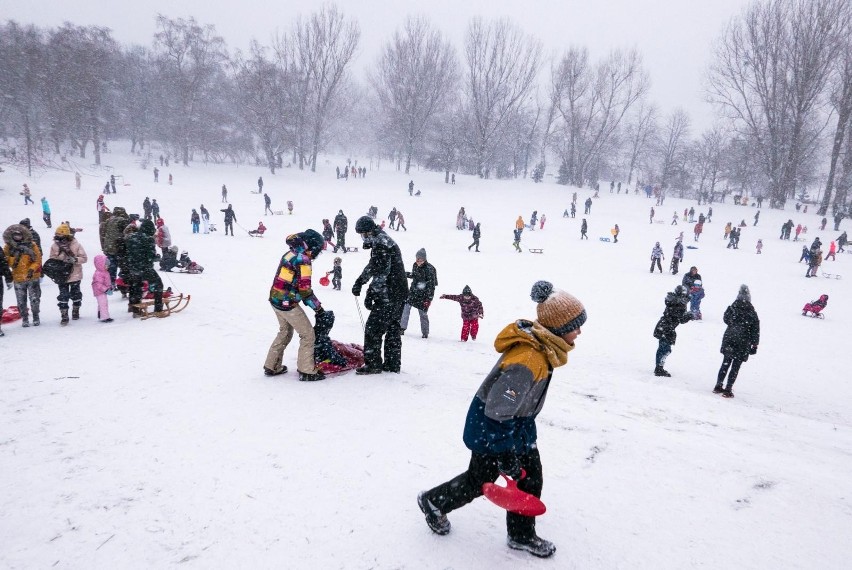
[513,499]
[10,315]
[324,281]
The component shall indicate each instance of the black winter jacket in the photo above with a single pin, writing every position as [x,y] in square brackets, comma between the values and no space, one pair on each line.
[674,315]
[385,271]
[743,333]
[424,279]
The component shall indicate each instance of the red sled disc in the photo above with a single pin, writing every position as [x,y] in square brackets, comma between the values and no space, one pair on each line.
[324,281]
[513,499]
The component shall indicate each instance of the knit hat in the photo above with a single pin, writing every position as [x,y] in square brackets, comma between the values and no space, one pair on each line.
[558,311]
[364,225]
[421,253]
[147,227]
[744,294]
[160,222]
[25,222]
[467,291]
[314,242]
[63,230]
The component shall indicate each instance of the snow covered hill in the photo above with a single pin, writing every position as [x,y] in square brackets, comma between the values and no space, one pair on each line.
[147,444]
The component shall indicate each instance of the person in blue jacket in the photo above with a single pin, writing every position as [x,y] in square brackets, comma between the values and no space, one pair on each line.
[500,428]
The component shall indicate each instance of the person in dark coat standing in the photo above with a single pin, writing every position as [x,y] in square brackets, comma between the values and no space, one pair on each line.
[146,208]
[739,341]
[341,224]
[230,218]
[259,184]
[500,428]
[476,234]
[385,298]
[424,279]
[674,314]
[141,253]
[267,203]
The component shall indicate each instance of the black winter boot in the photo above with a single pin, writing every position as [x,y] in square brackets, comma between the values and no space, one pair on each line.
[659,371]
[75,312]
[36,321]
[718,389]
[536,546]
[64,320]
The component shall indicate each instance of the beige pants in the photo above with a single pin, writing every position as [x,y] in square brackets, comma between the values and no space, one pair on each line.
[288,321]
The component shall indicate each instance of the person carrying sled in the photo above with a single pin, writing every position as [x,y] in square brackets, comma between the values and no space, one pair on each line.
[424,279]
[337,274]
[500,429]
[471,312]
[740,340]
[386,295]
[674,314]
[290,287]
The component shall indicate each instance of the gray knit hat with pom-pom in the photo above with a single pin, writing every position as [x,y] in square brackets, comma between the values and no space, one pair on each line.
[558,311]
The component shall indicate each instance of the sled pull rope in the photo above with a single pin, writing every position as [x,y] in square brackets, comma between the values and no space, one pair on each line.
[360,316]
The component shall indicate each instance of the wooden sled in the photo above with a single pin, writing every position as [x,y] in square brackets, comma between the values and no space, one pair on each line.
[173,304]
[352,249]
[536,250]
[832,275]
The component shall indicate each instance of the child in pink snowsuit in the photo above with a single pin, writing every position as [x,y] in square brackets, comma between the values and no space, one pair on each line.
[101,287]
[471,312]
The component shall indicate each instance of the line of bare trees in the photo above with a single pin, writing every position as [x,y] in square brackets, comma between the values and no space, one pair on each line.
[780,80]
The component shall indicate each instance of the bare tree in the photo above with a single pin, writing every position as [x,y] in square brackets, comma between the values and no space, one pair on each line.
[135,83]
[770,72]
[502,64]
[22,56]
[671,146]
[841,100]
[641,130]
[263,100]
[707,157]
[592,102]
[318,50]
[190,58]
[416,73]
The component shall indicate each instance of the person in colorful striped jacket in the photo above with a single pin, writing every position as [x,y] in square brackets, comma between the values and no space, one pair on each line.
[292,286]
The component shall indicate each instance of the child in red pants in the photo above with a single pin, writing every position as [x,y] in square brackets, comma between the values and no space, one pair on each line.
[471,312]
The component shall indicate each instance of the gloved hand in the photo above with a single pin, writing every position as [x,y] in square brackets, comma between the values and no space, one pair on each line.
[753,349]
[319,311]
[356,288]
[426,305]
[8,285]
[509,465]
[109,291]
[29,274]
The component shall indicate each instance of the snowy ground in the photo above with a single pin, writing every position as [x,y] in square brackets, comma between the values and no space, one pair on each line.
[148,444]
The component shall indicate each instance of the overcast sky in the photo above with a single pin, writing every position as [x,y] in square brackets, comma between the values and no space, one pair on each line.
[675,37]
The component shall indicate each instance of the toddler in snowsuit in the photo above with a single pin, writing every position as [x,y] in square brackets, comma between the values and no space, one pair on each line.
[101,287]
[471,312]
[815,307]
[337,274]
